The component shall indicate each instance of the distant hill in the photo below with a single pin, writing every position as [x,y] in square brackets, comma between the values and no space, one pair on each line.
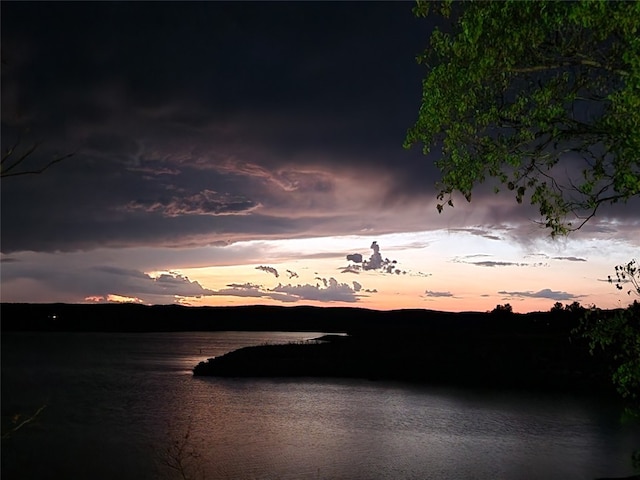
[142,318]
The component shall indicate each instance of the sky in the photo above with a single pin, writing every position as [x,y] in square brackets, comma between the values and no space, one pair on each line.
[251,154]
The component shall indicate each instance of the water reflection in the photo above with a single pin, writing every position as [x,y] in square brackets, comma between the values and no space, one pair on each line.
[117,401]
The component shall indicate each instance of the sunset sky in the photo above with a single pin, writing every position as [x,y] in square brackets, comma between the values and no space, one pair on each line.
[251,153]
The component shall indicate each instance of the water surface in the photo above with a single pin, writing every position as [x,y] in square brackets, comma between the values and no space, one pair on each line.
[116,403]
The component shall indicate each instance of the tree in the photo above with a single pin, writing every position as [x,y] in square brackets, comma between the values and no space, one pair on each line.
[617,333]
[557,307]
[629,272]
[502,310]
[16,158]
[543,97]
[13,163]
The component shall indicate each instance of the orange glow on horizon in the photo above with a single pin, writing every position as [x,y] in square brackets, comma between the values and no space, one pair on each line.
[112,298]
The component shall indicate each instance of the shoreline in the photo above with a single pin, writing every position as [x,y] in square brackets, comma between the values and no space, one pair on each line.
[529,362]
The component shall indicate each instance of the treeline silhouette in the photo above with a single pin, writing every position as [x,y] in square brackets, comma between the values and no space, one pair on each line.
[539,350]
[127,317]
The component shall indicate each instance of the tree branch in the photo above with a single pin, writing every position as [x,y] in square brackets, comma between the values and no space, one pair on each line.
[555,66]
[6,172]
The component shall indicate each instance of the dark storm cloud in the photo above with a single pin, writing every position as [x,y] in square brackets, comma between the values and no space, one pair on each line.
[544,293]
[196,123]
[206,202]
[205,110]
[139,284]
[99,282]
[245,93]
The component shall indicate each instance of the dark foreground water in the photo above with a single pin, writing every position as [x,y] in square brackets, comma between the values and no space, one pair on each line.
[119,406]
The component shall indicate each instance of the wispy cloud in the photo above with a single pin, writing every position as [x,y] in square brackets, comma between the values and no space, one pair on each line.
[490,263]
[431,293]
[488,232]
[571,259]
[350,269]
[468,259]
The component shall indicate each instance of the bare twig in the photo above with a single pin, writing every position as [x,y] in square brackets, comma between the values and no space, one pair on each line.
[26,421]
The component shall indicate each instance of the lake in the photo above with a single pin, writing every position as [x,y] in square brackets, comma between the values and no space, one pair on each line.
[126,406]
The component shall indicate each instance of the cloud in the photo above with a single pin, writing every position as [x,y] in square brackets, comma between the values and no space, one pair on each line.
[111,298]
[134,283]
[544,293]
[571,259]
[176,284]
[158,158]
[487,263]
[431,293]
[108,283]
[268,270]
[200,156]
[155,170]
[206,202]
[243,286]
[330,291]
[375,262]
[490,263]
[350,269]
[252,291]
[355,257]
[421,274]
[537,255]
[487,232]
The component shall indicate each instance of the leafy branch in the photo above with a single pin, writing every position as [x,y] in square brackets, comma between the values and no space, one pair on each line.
[627,273]
[521,92]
